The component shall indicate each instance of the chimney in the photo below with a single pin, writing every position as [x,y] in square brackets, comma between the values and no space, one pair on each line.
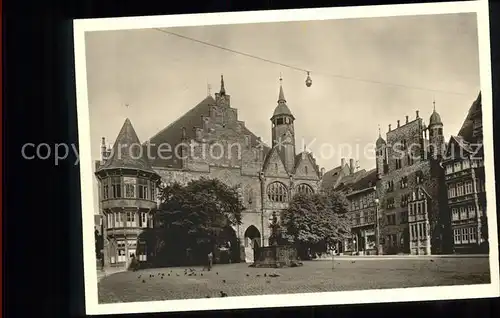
[407,119]
[342,163]
[389,127]
[322,172]
[103,150]
[398,123]
[417,114]
[351,165]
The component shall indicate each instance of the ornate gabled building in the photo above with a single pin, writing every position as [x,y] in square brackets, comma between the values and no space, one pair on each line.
[210,141]
[465,183]
[407,162]
[362,196]
[127,197]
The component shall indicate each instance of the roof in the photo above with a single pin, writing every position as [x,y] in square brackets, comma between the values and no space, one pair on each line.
[461,142]
[435,119]
[282,108]
[351,179]
[173,133]
[380,141]
[367,180]
[475,111]
[127,151]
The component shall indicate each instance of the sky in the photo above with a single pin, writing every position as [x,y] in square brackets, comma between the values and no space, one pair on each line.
[351,62]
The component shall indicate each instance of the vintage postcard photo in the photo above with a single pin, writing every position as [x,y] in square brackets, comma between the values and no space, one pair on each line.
[287,158]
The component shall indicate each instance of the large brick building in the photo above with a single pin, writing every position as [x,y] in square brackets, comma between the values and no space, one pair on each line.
[465,181]
[411,188]
[210,141]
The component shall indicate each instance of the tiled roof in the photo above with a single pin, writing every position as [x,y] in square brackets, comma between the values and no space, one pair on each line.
[474,111]
[126,153]
[351,179]
[172,134]
[366,180]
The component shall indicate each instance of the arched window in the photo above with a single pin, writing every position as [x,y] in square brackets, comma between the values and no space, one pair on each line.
[277,192]
[305,188]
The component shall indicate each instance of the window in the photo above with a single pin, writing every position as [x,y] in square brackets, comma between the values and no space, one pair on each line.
[471,211]
[279,121]
[247,141]
[466,164]
[454,214]
[398,163]
[390,186]
[109,220]
[404,199]
[131,219]
[121,252]
[391,219]
[305,188]
[465,235]
[419,177]
[143,221]
[105,188]
[143,189]
[357,219]
[472,235]
[404,183]
[412,231]
[409,159]
[456,236]
[130,187]
[451,191]
[404,217]
[469,188]
[305,170]
[457,167]
[116,187]
[118,219]
[390,203]
[460,189]
[449,169]
[152,189]
[463,213]
[410,209]
[277,192]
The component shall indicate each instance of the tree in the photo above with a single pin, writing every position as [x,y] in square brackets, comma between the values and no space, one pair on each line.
[313,221]
[192,217]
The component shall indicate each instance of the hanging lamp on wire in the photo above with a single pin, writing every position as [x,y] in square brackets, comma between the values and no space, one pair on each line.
[308,80]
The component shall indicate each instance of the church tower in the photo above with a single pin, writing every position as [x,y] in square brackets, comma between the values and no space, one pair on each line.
[380,148]
[436,138]
[283,133]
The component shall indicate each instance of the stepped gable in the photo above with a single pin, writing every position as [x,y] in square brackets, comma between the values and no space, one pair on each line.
[172,134]
[467,127]
[126,152]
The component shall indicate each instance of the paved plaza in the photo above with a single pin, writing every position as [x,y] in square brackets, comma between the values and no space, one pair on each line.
[314,276]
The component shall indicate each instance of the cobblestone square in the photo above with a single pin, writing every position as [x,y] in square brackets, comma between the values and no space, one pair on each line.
[314,276]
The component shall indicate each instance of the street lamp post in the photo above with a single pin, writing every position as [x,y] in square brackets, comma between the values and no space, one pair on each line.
[377,227]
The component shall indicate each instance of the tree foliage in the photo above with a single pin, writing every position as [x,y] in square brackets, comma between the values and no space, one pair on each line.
[195,215]
[316,219]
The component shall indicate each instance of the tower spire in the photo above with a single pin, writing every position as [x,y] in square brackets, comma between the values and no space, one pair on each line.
[222,88]
[281,97]
[434,104]
[379,133]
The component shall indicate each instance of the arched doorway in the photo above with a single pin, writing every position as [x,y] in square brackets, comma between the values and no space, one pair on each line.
[227,246]
[252,241]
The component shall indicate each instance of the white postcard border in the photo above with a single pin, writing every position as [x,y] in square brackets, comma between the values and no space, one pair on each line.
[287,300]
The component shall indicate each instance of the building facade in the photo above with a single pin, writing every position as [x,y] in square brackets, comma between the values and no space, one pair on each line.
[363,209]
[408,165]
[465,183]
[210,141]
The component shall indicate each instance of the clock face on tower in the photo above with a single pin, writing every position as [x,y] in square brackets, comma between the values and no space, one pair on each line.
[288,139]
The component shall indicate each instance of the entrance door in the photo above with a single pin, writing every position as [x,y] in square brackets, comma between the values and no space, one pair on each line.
[252,241]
